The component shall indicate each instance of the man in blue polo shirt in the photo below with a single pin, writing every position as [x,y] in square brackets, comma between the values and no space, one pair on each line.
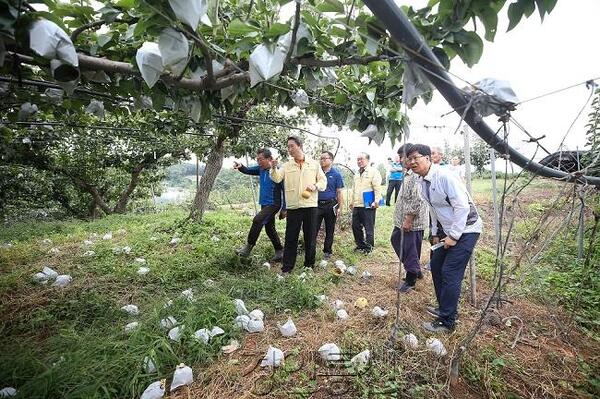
[330,201]
[394,180]
[271,201]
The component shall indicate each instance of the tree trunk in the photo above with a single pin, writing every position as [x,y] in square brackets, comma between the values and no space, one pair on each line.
[214,162]
[121,205]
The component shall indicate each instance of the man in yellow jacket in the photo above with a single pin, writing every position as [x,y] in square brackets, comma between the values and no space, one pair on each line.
[367,186]
[302,178]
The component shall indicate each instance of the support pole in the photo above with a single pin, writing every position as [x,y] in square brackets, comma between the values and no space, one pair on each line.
[495,197]
[472,268]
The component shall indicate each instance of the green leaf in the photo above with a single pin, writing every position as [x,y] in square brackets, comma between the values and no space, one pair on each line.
[472,49]
[528,7]
[515,13]
[341,99]
[126,4]
[331,6]
[102,40]
[489,18]
[277,29]
[239,28]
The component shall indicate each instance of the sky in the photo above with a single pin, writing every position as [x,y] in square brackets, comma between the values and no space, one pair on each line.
[535,58]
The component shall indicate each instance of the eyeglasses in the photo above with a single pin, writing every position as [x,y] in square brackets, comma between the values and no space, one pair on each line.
[414,158]
[322,158]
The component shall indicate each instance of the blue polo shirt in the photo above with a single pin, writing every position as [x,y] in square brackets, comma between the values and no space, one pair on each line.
[271,193]
[334,181]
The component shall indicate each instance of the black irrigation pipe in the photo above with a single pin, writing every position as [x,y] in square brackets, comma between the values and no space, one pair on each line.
[402,30]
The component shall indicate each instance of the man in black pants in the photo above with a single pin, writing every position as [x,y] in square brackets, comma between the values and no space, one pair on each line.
[270,200]
[330,201]
[365,201]
[394,180]
[302,177]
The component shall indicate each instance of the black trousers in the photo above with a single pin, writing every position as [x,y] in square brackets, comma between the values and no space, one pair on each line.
[266,217]
[305,219]
[393,185]
[363,218]
[326,211]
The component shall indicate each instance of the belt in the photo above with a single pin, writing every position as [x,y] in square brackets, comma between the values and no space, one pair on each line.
[324,202]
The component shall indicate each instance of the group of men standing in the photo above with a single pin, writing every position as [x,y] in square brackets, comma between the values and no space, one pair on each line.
[308,192]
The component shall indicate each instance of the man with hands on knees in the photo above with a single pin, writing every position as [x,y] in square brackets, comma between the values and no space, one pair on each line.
[451,205]
[271,201]
[302,178]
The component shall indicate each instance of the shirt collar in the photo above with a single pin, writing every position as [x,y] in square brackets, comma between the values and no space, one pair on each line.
[432,172]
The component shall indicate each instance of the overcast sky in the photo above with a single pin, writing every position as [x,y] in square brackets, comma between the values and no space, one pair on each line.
[535,58]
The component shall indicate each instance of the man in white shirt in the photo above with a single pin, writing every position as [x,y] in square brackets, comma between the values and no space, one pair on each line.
[451,205]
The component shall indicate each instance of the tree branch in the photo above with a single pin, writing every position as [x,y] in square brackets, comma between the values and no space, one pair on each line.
[93,25]
[224,78]
[199,40]
[294,34]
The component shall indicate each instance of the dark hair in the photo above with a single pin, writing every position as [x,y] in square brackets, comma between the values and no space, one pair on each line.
[405,149]
[265,153]
[365,155]
[328,153]
[420,148]
[295,140]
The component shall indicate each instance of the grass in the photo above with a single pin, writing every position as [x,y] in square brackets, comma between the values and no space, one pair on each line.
[70,342]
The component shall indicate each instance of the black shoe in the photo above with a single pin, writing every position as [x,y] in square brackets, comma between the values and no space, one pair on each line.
[326,256]
[405,288]
[435,312]
[278,256]
[437,326]
[244,251]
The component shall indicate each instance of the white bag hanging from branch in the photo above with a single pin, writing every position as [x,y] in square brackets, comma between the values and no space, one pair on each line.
[284,41]
[149,62]
[330,352]
[196,111]
[95,108]
[266,61]
[200,72]
[156,390]
[189,11]
[288,329]
[183,375]
[414,83]
[273,358]
[174,49]
[373,133]
[300,98]
[55,96]
[96,76]
[27,111]
[48,40]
